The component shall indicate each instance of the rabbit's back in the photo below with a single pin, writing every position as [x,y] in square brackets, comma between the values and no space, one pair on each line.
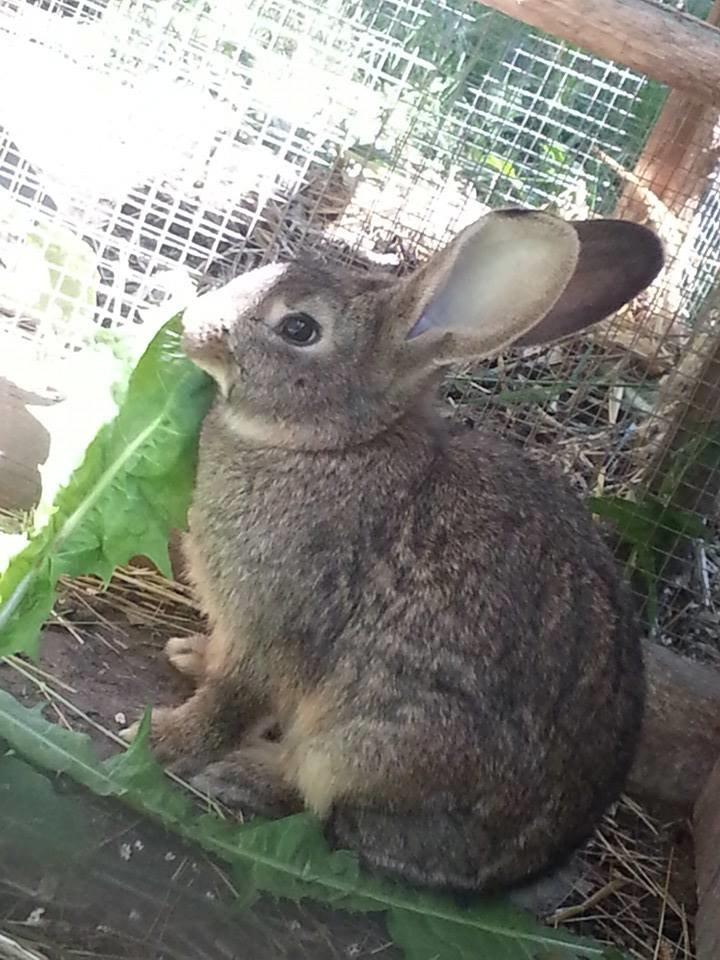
[493,606]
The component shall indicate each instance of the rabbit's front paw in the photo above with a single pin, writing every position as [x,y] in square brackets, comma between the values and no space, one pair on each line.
[198,730]
[187,654]
[189,733]
[170,735]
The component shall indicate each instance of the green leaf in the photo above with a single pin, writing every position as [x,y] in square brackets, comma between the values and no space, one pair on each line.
[290,857]
[507,935]
[699,449]
[50,746]
[651,529]
[46,827]
[636,522]
[648,523]
[503,166]
[132,488]
[554,152]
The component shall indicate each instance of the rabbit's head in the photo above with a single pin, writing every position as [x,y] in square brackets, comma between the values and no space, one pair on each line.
[310,357]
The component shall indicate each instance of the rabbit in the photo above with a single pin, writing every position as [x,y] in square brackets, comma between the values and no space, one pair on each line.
[418,634]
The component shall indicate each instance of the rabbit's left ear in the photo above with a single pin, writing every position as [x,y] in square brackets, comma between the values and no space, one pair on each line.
[519,276]
[617,261]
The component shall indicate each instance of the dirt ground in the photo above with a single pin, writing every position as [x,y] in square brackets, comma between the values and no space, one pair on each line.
[112,675]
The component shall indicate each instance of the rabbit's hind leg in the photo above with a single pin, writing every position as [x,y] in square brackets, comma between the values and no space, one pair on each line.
[426,849]
[250,779]
[227,703]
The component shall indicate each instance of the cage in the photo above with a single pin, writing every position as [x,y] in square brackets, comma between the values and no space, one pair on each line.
[153,148]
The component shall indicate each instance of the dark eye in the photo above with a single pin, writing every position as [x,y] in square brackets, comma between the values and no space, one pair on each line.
[300,329]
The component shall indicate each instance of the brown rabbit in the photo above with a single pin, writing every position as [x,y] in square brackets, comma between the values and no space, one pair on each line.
[432,620]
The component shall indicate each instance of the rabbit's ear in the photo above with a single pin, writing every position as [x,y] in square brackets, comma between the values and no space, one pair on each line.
[617,260]
[488,287]
[524,277]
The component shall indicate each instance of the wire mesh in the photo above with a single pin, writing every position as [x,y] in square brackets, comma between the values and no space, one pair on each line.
[148,147]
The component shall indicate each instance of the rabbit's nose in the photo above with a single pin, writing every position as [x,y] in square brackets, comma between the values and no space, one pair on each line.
[210,315]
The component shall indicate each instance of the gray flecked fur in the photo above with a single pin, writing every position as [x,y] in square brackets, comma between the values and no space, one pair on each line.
[431,620]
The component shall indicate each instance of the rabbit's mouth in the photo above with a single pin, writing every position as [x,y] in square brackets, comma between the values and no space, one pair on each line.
[207,349]
[241,375]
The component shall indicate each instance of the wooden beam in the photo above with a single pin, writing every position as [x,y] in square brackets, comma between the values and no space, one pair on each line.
[680,740]
[664,44]
[665,192]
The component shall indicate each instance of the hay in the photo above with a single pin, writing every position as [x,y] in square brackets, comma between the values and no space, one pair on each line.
[140,595]
[638,892]
[580,404]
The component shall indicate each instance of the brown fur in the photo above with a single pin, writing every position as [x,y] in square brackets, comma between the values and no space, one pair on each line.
[433,620]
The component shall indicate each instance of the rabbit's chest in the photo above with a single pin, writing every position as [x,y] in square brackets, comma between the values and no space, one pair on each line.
[284,561]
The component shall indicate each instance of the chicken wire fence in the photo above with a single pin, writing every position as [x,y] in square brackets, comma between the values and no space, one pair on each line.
[148,149]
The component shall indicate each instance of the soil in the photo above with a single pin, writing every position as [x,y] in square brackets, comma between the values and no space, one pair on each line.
[128,671]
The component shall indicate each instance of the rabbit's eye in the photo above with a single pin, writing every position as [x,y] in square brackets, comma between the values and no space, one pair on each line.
[300,329]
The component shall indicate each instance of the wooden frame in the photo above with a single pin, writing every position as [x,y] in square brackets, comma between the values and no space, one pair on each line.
[666,45]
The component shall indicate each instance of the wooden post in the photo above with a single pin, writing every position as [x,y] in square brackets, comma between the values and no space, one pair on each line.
[667,186]
[707,864]
[664,44]
[680,739]
[664,192]
[681,153]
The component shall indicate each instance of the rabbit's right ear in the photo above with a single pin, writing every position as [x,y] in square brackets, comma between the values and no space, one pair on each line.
[487,288]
